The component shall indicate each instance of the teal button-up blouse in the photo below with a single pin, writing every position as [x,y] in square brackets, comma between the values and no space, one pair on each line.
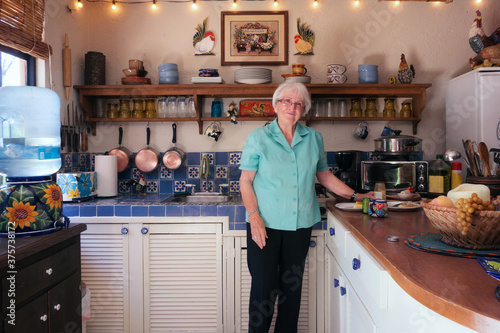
[285,177]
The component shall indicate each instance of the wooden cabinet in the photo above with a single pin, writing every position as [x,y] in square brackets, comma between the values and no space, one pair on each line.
[44,284]
[153,277]
[89,95]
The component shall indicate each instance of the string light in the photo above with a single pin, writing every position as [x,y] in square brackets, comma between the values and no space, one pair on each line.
[479,1]
[154,4]
[234,4]
[315,3]
[396,3]
[79,4]
[194,5]
[113,5]
[356,3]
[275,3]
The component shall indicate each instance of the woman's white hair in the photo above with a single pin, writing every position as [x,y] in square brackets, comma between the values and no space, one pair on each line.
[289,87]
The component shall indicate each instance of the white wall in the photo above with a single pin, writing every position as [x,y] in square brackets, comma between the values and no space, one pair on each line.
[433,36]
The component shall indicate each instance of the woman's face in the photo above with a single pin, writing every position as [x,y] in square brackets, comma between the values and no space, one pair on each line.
[289,108]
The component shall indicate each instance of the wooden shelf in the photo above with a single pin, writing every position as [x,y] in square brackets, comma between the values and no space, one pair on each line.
[89,94]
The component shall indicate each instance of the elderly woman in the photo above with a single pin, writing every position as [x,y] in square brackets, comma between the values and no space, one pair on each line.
[279,165]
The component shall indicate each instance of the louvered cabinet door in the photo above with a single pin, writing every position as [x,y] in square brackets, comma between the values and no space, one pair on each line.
[242,283]
[104,257]
[183,278]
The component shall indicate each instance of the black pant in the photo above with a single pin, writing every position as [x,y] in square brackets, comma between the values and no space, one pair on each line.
[277,272]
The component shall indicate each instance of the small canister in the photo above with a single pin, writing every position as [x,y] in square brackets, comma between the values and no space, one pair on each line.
[366,205]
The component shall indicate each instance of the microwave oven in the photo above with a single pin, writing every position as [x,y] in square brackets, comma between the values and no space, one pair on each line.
[396,175]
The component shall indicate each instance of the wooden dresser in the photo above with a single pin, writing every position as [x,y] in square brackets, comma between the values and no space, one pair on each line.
[43,282]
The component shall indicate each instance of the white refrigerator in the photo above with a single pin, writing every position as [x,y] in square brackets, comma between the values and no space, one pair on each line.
[473,109]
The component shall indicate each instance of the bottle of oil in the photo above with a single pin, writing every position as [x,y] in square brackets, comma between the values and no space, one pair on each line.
[439,177]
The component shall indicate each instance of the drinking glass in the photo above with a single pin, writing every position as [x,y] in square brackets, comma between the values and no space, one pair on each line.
[172,106]
[191,107]
[216,109]
[162,108]
[182,106]
[343,108]
[330,108]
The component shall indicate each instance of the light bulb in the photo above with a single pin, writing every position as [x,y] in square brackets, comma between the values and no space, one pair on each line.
[113,5]
[315,3]
[396,3]
[79,4]
[479,1]
[194,5]
[154,4]
[275,3]
[356,3]
[234,4]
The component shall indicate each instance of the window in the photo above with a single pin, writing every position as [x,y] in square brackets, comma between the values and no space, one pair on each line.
[17,68]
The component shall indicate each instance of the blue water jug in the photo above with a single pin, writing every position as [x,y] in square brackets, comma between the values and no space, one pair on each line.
[29,132]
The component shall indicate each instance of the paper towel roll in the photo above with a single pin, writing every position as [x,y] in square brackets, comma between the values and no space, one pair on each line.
[106,167]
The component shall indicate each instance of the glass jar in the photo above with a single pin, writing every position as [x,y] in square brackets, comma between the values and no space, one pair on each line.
[355,108]
[113,110]
[138,108]
[379,191]
[182,106]
[371,107]
[405,110]
[389,110]
[150,108]
[125,108]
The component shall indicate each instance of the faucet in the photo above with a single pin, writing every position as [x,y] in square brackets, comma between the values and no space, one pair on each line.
[205,170]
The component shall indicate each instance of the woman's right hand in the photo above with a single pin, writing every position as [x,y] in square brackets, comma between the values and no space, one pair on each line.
[258,230]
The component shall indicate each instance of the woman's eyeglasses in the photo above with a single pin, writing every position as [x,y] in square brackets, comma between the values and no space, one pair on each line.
[288,103]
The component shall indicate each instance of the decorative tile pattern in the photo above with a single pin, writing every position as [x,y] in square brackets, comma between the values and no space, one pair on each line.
[234,158]
[67,160]
[180,186]
[166,173]
[234,186]
[221,172]
[123,187]
[152,186]
[210,157]
[193,172]
[137,174]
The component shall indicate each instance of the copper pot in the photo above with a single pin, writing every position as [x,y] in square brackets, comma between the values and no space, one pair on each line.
[147,159]
[122,154]
[174,157]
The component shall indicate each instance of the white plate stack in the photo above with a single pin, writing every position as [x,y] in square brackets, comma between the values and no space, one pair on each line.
[253,75]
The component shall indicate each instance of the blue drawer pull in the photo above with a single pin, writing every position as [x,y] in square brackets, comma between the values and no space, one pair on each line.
[356,264]
[342,291]
[124,231]
[312,244]
[336,283]
[332,231]
[144,230]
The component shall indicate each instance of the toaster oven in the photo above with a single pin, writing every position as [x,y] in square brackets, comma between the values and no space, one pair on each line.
[396,175]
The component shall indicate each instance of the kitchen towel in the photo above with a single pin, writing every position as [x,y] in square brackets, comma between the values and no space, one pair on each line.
[106,167]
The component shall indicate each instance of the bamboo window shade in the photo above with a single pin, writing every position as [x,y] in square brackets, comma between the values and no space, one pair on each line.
[21,26]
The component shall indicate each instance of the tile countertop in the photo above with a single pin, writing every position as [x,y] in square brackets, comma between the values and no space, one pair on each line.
[151,205]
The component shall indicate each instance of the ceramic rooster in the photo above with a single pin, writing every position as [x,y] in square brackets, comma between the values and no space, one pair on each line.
[140,185]
[478,39]
[405,73]
[304,40]
[203,41]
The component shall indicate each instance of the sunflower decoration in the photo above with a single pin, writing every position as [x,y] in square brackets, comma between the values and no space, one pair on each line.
[21,214]
[53,195]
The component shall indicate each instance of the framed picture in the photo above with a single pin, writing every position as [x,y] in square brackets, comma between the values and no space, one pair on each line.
[254,38]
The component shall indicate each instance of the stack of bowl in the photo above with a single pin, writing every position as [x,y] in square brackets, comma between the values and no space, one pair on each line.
[168,73]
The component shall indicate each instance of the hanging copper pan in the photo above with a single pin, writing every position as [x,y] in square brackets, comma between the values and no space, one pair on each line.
[147,159]
[122,154]
[174,157]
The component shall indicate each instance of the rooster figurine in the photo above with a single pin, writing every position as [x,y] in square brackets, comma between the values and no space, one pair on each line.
[304,40]
[405,73]
[203,41]
[478,39]
[140,185]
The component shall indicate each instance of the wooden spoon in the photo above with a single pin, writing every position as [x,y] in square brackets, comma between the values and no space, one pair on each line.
[485,157]
[469,149]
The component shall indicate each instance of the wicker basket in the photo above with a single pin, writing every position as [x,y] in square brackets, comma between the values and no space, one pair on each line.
[484,233]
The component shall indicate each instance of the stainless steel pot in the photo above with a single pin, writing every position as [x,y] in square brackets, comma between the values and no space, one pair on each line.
[398,144]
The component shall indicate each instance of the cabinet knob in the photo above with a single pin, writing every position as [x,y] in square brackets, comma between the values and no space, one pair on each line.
[336,283]
[356,264]
[124,231]
[144,230]
[332,231]
[57,307]
[312,244]
[343,291]
[43,318]
[49,271]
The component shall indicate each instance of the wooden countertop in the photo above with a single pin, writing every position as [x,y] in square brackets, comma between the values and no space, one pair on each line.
[457,288]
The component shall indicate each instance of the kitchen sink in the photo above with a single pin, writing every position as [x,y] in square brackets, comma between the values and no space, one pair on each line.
[201,198]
